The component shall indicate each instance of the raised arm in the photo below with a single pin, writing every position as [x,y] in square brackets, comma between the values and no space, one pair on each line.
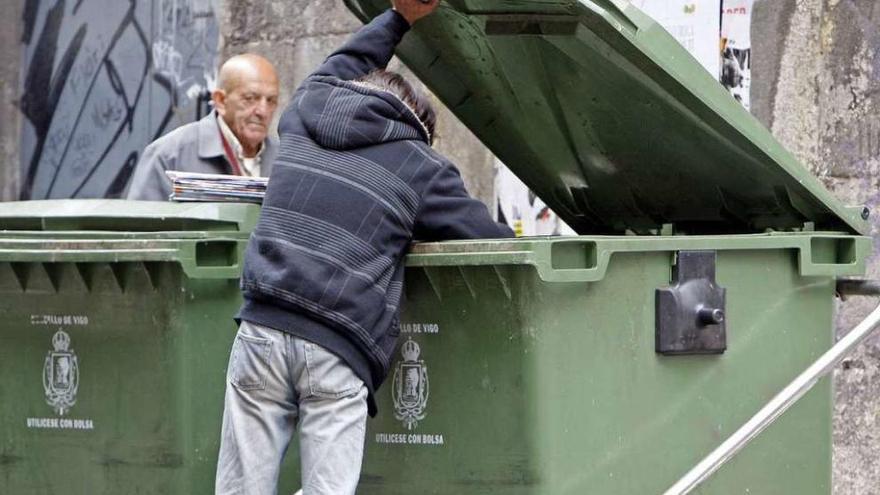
[413,10]
[372,46]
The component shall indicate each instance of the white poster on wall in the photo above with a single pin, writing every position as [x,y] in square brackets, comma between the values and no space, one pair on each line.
[694,23]
[736,48]
[522,210]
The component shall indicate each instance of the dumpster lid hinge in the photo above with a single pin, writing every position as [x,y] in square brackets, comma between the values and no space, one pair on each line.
[690,315]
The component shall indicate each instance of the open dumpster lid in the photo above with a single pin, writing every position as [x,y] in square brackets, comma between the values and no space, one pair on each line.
[610,121]
[125,216]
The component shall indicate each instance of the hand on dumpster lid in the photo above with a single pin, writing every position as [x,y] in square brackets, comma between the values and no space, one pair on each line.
[413,10]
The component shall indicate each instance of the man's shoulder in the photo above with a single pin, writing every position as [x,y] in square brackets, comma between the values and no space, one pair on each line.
[434,161]
[185,135]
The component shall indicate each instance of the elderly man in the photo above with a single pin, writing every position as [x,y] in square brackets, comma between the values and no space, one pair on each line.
[233,139]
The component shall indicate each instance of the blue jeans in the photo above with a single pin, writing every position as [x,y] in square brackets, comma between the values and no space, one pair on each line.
[274,381]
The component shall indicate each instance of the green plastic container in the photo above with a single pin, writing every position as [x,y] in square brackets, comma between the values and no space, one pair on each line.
[116,330]
[529,367]
[546,366]
[535,358]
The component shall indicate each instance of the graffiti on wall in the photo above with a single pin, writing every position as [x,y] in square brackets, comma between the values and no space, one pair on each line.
[103,78]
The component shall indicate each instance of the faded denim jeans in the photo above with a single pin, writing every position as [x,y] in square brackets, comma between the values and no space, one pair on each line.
[274,382]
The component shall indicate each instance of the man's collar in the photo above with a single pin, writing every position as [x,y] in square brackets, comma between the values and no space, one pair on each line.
[210,144]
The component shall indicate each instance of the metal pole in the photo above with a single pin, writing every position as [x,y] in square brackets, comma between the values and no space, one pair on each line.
[778,405]
[858,287]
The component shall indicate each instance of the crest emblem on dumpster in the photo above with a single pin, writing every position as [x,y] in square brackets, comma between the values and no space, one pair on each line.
[61,374]
[409,389]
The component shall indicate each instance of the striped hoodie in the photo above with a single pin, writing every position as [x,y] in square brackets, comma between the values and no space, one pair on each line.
[354,183]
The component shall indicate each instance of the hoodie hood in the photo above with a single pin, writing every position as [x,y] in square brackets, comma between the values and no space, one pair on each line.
[343,115]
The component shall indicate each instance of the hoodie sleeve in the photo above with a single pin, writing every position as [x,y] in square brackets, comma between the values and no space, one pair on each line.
[448,212]
[370,48]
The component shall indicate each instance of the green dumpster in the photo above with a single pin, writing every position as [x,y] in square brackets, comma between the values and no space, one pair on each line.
[610,363]
[114,338]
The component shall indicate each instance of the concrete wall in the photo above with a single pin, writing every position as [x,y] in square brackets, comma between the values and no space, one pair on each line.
[10,124]
[102,79]
[816,85]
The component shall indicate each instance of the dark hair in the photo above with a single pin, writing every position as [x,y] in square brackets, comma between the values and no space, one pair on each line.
[395,84]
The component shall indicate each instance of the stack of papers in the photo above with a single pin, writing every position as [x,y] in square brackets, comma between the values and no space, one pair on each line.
[190,186]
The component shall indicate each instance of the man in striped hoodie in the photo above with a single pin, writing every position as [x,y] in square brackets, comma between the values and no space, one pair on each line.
[355,182]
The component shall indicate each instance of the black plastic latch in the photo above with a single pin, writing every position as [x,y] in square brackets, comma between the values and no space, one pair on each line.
[690,315]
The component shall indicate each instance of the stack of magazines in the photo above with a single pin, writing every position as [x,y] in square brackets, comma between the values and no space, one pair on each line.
[190,186]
